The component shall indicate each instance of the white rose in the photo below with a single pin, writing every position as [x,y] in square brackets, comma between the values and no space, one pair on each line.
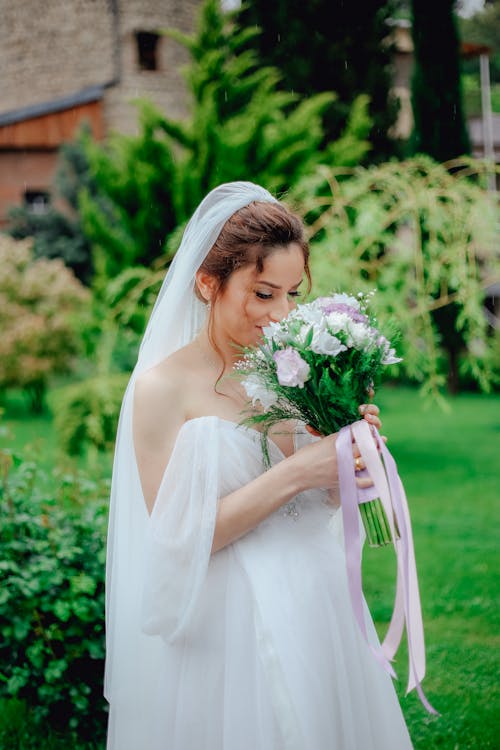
[359,335]
[256,390]
[338,321]
[325,343]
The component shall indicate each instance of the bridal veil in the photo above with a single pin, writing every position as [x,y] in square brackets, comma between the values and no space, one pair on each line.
[175,319]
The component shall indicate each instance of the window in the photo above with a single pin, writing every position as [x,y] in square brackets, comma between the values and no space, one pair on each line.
[37,201]
[147,46]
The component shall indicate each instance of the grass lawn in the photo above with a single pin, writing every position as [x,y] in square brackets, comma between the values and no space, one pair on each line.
[448,462]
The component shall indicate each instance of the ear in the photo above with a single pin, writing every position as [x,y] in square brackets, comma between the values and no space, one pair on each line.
[206,284]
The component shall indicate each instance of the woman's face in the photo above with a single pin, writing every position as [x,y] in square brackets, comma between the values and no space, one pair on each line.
[251,300]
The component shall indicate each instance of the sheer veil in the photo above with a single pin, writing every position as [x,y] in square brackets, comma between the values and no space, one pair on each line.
[176,318]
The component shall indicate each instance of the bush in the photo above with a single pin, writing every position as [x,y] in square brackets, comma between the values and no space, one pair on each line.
[86,413]
[52,556]
[39,303]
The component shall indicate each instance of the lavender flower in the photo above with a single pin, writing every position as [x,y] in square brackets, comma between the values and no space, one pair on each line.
[291,369]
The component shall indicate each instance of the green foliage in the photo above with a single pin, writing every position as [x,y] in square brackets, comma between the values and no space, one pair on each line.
[58,233]
[439,122]
[241,127]
[86,413]
[52,596]
[39,305]
[427,240]
[323,46]
[483,27]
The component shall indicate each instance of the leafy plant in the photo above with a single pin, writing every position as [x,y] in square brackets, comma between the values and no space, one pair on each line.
[427,240]
[86,413]
[39,305]
[52,596]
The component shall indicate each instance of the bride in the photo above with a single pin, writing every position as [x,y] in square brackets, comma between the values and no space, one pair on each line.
[228,621]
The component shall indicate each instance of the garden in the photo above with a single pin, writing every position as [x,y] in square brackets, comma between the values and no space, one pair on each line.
[421,231]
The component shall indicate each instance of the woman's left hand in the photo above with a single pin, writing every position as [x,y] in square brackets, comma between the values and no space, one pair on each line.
[371,412]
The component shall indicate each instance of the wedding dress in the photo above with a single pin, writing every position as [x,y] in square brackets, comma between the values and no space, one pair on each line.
[254,647]
[257,649]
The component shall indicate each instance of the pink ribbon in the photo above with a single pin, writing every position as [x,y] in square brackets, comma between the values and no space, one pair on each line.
[382,469]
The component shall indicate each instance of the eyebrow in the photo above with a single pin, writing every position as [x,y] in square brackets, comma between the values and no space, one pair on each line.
[276,286]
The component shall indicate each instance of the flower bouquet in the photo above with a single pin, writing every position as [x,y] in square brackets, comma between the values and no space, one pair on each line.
[317,365]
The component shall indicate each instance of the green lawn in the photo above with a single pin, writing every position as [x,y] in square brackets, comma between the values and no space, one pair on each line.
[448,462]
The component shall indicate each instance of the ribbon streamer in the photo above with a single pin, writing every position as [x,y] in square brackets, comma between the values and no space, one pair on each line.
[382,469]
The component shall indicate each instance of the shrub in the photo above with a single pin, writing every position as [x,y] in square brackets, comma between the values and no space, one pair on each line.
[52,557]
[86,413]
[39,303]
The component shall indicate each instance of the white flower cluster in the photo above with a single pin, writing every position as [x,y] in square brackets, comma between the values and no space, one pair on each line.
[327,317]
[326,326]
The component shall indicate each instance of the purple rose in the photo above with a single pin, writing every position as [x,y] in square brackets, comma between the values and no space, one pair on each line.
[291,369]
[351,311]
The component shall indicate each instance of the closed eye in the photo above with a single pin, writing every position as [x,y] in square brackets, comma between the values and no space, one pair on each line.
[263,295]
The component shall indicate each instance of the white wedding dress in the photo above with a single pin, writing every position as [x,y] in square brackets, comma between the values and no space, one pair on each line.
[254,647]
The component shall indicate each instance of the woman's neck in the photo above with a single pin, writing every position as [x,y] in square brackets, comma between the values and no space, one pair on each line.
[216,352]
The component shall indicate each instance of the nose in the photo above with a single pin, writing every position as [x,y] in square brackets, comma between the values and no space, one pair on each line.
[280,309]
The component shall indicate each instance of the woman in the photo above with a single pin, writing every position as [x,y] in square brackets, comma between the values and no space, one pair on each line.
[229,624]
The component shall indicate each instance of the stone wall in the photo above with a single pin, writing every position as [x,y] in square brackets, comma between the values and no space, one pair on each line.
[51,49]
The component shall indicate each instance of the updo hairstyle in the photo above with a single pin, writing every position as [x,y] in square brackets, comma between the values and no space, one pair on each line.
[248,237]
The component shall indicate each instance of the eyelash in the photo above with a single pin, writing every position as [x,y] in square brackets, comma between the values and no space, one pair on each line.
[262,295]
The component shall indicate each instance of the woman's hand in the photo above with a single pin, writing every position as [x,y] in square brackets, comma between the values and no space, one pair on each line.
[369,412]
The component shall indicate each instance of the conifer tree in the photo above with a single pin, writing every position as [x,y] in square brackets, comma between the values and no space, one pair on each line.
[439,123]
[241,127]
[323,46]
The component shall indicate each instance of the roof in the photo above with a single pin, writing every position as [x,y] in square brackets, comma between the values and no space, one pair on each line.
[84,96]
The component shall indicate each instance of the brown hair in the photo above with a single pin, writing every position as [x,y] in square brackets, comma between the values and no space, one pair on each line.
[248,237]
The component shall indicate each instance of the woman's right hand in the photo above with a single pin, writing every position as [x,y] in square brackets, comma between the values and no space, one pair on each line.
[316,464]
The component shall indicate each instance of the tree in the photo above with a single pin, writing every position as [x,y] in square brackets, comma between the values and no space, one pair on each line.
[241,127]
[323,46]
[439,123]
[427,240]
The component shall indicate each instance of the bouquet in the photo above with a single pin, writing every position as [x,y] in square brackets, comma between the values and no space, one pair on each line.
[317,365]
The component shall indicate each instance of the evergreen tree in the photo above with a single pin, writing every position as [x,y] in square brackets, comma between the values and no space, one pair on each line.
[241,127]
[439,123]
[58,232]
[323,46]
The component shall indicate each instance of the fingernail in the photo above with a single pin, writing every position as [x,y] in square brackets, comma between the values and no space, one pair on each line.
[362,408]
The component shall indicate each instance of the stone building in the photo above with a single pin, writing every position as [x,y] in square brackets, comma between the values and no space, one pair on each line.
[67,61]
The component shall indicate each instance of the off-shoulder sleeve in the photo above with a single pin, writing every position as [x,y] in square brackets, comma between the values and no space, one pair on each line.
[181,530]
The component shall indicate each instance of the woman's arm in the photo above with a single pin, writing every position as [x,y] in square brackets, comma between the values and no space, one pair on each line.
[158,416]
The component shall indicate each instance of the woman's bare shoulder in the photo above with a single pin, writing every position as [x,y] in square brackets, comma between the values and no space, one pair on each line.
[165,387]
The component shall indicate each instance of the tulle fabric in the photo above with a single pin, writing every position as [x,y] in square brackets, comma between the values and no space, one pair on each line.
[175,320]
[260,648]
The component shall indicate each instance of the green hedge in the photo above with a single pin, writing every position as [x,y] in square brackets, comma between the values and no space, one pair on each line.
[86,413]
[52,556]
